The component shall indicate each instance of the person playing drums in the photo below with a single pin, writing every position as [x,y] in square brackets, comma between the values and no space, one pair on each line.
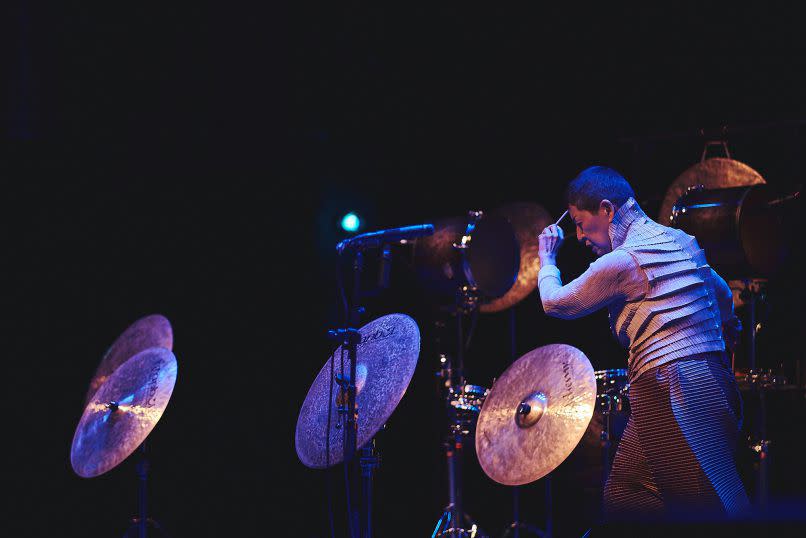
[674,314]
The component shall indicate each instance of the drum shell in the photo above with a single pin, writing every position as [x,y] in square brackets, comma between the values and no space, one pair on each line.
[489,261]
[465,404]
[742,234]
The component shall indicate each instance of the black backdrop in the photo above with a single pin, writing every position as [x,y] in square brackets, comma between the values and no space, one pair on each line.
[193,161]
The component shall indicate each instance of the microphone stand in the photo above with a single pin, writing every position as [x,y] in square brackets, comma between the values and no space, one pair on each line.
[360,519]
[360,524]
[347,409]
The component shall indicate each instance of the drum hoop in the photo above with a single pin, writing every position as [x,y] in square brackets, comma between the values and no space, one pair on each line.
[474,388]
[739,208]
[598,374]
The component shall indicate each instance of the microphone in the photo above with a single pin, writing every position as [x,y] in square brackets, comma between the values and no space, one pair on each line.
[392,235]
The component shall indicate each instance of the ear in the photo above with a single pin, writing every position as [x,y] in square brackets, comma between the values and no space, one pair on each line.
[607,209]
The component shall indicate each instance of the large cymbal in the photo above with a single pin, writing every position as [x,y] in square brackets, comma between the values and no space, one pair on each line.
[387,355]
[123,411]
[528,219]
[150,331]
[535,414]
[715,173]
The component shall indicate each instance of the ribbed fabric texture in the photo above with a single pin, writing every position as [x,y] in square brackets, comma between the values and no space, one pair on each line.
[668,308]
[679,316]
[663,299]
[675,459]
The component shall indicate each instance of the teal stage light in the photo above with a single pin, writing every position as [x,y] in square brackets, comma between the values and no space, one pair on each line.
[350,222]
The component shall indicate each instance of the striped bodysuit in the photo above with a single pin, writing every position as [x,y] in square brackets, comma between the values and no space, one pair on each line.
[669,309]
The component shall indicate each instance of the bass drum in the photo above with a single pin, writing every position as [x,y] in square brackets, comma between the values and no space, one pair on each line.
[480,252]
[741,229]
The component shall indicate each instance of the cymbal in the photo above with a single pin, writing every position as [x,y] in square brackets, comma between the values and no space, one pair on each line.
[123,411]
[528,220]
[386,357]
[535,414]
[150,331]
[480,251]
[715,173]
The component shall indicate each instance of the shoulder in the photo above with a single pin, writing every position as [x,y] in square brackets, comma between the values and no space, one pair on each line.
[649,232]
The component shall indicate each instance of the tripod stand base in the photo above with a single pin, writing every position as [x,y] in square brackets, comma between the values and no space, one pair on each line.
[134,529]
[524,529]
[445,527]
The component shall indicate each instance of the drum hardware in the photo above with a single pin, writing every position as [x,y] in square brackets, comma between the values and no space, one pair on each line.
[517,525]
[720,141]
[346,406]
[611,398]
[119,417]
[463,403]
[467,264]
[759,382]
[387,350]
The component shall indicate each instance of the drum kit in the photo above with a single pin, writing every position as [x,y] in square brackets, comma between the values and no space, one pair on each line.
[547,400]
[127,396]
[523,427]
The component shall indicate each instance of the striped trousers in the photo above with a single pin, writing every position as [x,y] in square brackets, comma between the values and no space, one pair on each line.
[676,458]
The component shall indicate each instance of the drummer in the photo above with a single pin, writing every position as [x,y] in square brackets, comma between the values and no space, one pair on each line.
[674,315]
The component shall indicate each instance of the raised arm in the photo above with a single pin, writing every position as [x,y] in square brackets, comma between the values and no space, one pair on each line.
[614,276]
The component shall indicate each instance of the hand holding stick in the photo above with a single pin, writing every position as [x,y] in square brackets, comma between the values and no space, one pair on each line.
[549,242]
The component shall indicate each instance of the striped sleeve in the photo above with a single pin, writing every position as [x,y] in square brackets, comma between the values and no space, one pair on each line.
[614,276]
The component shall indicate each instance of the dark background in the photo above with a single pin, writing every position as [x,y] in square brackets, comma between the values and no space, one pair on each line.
[194,161]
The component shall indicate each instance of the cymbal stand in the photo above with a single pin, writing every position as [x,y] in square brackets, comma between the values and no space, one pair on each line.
[517,525]
[141,522]
[452,372]
[752,292]
[369,460]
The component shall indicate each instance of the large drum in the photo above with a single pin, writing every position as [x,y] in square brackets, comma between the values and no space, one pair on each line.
[741,229]
[465,405]
[479,254]
[612,392]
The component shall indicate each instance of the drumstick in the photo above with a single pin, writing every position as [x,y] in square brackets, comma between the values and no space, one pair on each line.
[561,218]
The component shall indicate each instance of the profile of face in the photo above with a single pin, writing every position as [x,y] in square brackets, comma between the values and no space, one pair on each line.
[592,227]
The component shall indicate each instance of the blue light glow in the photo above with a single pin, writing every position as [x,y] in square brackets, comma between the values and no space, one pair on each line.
[350,222]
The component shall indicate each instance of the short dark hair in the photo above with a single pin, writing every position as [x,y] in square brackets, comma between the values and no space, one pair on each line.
[597,183]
